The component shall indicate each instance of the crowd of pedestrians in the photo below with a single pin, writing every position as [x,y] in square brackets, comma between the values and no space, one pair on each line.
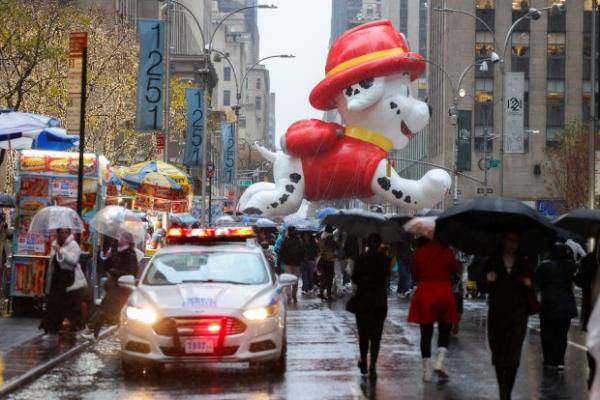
[432,277]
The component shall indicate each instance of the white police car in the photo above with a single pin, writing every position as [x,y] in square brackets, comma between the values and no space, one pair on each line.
[206,302]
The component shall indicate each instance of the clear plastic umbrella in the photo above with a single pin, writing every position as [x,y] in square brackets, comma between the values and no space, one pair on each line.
[56,217]
[113,221]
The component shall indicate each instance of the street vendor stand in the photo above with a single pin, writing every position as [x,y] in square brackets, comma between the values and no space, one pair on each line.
[46,178]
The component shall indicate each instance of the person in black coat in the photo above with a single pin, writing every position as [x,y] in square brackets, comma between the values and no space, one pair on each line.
[554,280]
[291,256]
[123,262]
[585,278]
[370,275]
[507,279]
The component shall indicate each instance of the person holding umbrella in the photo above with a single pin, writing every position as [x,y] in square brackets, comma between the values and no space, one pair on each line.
[123,262]
[64,258]
[433,266]
[327,248]
[508,280]
[370,275]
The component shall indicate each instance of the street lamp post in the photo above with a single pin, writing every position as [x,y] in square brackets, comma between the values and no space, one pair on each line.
[239,85]
[453,111]
[592,138]
[532,14]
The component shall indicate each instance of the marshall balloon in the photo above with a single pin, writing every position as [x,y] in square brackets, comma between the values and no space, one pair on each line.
[368,79]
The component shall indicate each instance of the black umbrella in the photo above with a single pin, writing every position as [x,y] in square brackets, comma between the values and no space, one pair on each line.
[476,226]
[582,221]
[361,223]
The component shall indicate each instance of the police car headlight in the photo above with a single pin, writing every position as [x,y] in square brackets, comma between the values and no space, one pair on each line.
[144,315]
[261,313]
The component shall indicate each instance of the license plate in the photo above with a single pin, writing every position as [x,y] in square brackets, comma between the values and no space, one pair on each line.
[199,346]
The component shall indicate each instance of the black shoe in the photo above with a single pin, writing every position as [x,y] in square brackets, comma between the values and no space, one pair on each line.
[363,367]
[372,374]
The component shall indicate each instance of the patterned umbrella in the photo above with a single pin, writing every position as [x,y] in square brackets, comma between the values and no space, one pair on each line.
[138,173]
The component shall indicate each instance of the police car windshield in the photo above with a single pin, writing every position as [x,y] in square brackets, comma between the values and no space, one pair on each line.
[209,267]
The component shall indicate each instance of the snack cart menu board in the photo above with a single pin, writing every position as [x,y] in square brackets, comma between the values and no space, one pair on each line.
[47,178]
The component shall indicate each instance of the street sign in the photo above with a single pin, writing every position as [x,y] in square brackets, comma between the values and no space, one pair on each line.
[149,104]
[245,182]
[75,80]
[210,170]
[494,163]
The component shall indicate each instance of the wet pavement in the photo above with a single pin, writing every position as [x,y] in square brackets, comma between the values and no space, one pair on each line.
[322,355]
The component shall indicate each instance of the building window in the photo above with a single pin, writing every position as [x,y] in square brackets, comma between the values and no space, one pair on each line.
[485,11]
[258,84]
[519,9]
[484,90]
[520,5]
[556,55]
[404,16]
[587,5]
[227,74]
[555,109]
[484,46]
[226,98]
[520,53]
[484,4]
[587,56]
[423,28]
[557,23]
[242,121]
[258,102]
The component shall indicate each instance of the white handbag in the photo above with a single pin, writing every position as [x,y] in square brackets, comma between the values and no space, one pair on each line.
[79,282]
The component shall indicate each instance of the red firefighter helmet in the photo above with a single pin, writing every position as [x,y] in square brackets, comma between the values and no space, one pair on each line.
[367,51]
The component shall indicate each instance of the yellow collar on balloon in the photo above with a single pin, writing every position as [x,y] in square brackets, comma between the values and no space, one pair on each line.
[367,135]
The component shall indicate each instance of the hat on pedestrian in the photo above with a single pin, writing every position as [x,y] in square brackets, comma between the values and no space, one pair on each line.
[367,51]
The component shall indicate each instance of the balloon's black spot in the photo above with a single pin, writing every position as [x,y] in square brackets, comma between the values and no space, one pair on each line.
[384,183]
[289,188]
[407,199]
[252,210]
[274,205]
[295,177]
[284,198]
[367,83]
[349,91]
[397,194]
[393,105]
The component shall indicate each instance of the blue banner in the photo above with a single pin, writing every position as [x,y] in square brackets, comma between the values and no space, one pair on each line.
[149,107]
[228,171]
[196,120]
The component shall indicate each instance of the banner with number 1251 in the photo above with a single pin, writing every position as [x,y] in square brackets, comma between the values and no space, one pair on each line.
[149,112]
[196,120]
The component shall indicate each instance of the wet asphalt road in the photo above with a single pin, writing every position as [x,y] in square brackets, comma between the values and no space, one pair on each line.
[322,354]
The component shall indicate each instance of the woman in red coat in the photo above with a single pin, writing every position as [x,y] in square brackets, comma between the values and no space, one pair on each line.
[433,265]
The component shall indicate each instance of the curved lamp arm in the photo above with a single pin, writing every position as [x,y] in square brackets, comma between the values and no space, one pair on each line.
[235,74]
[229,15]
[195,20]
[257,63]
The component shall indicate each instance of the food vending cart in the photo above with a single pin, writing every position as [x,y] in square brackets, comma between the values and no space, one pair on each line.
[46,178]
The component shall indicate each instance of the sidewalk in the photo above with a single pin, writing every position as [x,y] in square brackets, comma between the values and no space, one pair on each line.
[17,330]
[24,356]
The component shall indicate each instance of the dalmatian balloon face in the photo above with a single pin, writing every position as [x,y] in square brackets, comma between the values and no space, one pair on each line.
[386,105]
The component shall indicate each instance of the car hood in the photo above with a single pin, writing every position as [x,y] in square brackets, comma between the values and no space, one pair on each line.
[176,299]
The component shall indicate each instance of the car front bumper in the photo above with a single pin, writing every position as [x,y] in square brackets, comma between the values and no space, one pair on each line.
[261,341]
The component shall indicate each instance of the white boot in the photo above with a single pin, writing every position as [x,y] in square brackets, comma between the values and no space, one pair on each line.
[427,372]
[440,370]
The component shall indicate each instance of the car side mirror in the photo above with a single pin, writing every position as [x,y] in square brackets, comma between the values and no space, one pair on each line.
[288,280]
[127,281]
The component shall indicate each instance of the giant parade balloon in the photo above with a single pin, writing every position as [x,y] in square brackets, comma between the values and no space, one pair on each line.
[368,78]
